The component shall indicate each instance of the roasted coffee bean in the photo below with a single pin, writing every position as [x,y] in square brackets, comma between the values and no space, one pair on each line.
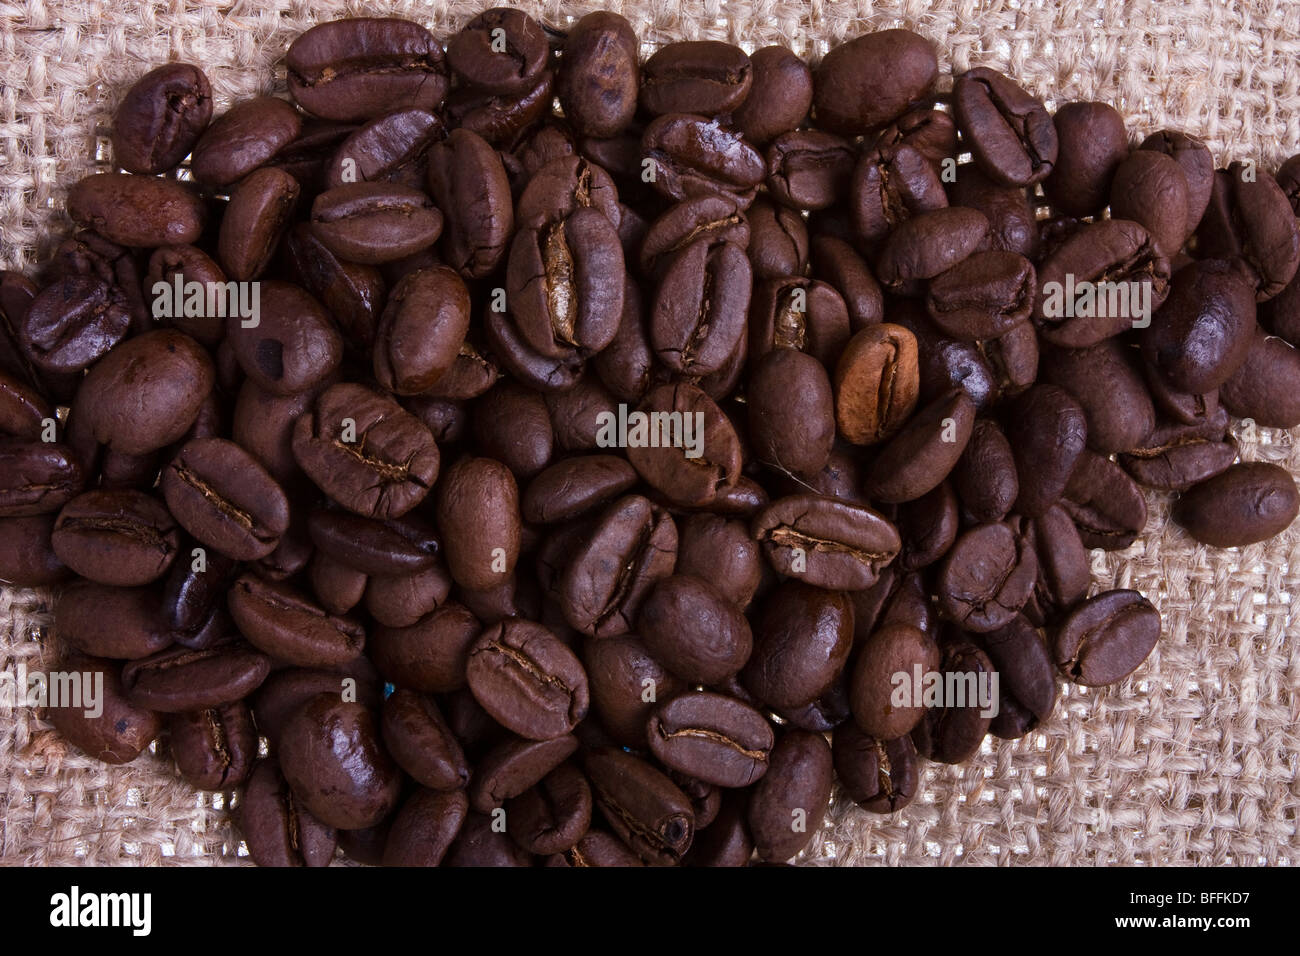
[421,330]
[254,222]
[703,76]
[1179,463]
[824,542]
[215,748]
[105,621]
[246,136]
[123,538]
[713,738]
[429,655]
[284,691]
[1263,387]
[619,670]
[501,50]
[877,382]
[889,186]
[599,76]
[872,80]
[985,476]
[478,513]
[527,679]
[1105,380]
[798,313]
[928,527]
[160,118]
[1047,430]
[356,69]
[352,293]
[182,679]
[425,827]
[1197,165]
[334,761]
[788,804]
[391,148]
[574,486]
[923,452]
[713,218]
[698,316]
[693,454]
[72,323]
[137,210]
[780,94]
[373,547]
[373,223]
[880,776]
[1026,678]
[291,345]
[364,451]
[1010,132]
[802,640]
[1105,503]
[893,649]
[1012,223]
[721,551]
[982,297]
[469,184]
[1150,188]
[986,578]
[419,740]
[112,728]
[554,815]
[689,626]
[839,264]
[791,412]
[929,244]
[1241,505]
[642,806]
[500,119]
[282,622]
[27,559]
[280,831]
[38,478]
[808,169]
[1092,145]
[1250,220]
[952,733]
[1106,638]
[695,156]
[1063,571]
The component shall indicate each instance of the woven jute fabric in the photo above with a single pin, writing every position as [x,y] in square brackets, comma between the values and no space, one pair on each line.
[1191,760]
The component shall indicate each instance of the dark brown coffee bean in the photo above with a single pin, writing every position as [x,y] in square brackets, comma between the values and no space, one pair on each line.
[352,293]
[425,827]
[1263,388]
[137,210]
[1244,504]
[880,776]
[72,323]
[952,733]
[929,244]
[355,69]
[1197,165]
[282,622]
[599,75]
[478,513]
[1092,145]
[1178,464]
[1106,382]
[791,412]
[809,169]
[279,831]
[1047,430]
[373,223]
[373,547]
[246,136]
[797,313]
[893,649]
[421,330]
[985,476]
[115,729]
[788,804]
[528,680]
[780,94]
[1250,220]
[468,181]
[824,542]
[334,760]
[694,156]
[27,559]
[1027,678]
[254,222]
[986,578]
[1009,131]
[802,640]
[872,79]
[124,538]
[1106,638]
[421,743]
[839,265]
[1105,503]
[1150,188]
[698,316]
[689,468]
[182,679]
[922,454]
[160,118]
[713,738]
[38,478]
[626,686]
[429,655]
[694,630]
[391,147]
[215,748]
[282,693]
[554,815]
[702,76]
[643,807]
[574,486]
[982,297]
[889,186]
[104,621]
[501,50]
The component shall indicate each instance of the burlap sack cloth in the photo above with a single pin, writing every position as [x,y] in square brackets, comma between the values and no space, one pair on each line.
[1191,760]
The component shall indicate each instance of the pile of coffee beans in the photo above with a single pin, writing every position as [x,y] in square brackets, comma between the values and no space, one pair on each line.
[516,453]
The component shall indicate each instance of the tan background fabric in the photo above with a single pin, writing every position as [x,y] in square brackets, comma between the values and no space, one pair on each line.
[1192,760]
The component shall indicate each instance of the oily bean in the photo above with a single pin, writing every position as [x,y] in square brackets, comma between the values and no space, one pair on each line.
[1063,570]
[647,811]
[375,547]
[923,452]
[215,748]
[429,655]
[421,743]
[713,738]
[1027,678]
[254,222]
[105,621]
[694,156]
[986,578]
[358,68]
[1047,430]
[23,410]
[286,690]
[889,186]
[839,265]
[391,147]
[137,210]
[880,776]
[160,118]
[500,50]
[599,76]
[1197,165]
[27,559]
[1105,503]
[1250,220]
[115,729]
[619,671]
[38,478]
[72,323]
[825,542]
[982,297]
[1105,380]
[182,679]
[146,393]
[123,538]
[689,626]
[373,223]
[554,815]
[282,622]
[698,316]
[780,94]
[364,451]
[248,135]
[478,514]
[702,76]
[421,330]
[514,766]
[468,182]
[688,467]
[792,795]
[574,486]
[877,382]
[1243,504]
[1150,188]
[292,347]
[1263,388]
[334,760]
[1106,638]
[985,476]
[802,641]
[929,244]
[280,831]
[893,649]
[424,829]
[1010,132]
[791,412]
[953,733]
[809,169]
[222,496]
[872,79]
[527,679]
[1093,144]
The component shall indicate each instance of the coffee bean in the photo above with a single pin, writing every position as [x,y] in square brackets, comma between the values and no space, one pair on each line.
[1026,677]
[160,118]
[123,538]
[642,806]
[280,831]
[137,210]
[373,223]
[553,816]
[421,743]
[215,748]
[1106,637]
[1243,504]
[469,184]
[711,737]
[1092,145]
[780,93]
[599,78]
[801,644]
[703,76]
[694,630]
[1248,219]
[181,679]
[285,624]
[526,678]
[924,451]
[1047,429]
[1105,503]
[880,776]
[790,801]
[425,827]
[893,649]
[872,79]
[246,136]
[824,542]
[1010,132]
[120,731]
[1261,389]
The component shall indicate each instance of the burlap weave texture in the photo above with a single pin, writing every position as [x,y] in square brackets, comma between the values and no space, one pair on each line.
[1192,760]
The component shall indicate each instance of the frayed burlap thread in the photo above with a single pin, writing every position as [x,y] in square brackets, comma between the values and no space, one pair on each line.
[1192,760]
